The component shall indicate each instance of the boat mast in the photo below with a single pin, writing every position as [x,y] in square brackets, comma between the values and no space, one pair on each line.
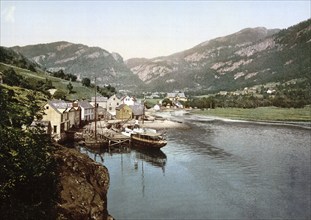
[144,109]
[95,113]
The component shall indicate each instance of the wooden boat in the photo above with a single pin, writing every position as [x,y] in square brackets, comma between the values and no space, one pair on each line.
[151,140]
[95,143]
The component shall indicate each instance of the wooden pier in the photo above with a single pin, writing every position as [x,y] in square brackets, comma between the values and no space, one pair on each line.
[117,140]
[111,138]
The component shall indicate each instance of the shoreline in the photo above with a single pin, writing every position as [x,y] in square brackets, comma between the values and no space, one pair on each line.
[168,119]
[164,124]
[298,124]
[169,114]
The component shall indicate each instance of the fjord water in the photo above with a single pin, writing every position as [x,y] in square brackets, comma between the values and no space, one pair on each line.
[214,170]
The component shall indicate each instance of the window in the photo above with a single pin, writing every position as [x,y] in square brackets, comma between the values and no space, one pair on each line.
[110,108]
[47,107]
[55,129]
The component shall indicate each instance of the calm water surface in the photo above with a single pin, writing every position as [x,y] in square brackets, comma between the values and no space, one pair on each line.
[215,170]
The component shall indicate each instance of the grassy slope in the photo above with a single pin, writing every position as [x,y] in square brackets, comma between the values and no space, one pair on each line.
[79,91]
[261,114]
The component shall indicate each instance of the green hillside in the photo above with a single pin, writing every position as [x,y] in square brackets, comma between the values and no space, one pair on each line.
[79,91]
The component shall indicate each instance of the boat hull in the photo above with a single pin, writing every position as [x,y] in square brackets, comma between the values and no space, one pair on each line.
[149,144]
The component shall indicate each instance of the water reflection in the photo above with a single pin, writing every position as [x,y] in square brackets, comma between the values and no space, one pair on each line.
[215,170]
[156,158]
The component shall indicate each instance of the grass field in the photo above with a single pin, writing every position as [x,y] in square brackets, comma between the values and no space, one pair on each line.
[261,114]
[79,91]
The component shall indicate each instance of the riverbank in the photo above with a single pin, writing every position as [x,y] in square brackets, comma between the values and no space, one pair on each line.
[263,115]
[153,121]
[260,114]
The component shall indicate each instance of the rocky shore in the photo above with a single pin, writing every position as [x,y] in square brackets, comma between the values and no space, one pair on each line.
[82,186]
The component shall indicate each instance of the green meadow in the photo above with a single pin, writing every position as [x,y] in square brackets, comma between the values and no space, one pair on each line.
[79,91]
[261,114]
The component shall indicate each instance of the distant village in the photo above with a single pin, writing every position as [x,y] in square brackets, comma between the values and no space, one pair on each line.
[61,116]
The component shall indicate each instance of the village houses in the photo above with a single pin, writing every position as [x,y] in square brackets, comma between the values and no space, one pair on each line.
[112,103]
[61,115]
[123,112]
[55,112]
[87,111]
[177,96]
[101,101]
[126,112]
[128,100]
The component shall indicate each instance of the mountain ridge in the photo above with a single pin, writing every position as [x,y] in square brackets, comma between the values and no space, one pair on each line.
[82,61]
[241,59]
[245,58]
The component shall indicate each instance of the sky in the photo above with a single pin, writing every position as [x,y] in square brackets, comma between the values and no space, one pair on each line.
[141,28]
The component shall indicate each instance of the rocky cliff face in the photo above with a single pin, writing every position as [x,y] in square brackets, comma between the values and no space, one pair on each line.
[252,56]
[185,69]
[83,186]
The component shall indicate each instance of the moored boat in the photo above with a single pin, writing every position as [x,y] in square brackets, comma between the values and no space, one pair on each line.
[151,140]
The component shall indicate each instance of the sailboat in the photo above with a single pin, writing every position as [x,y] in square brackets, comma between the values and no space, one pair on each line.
[95,143]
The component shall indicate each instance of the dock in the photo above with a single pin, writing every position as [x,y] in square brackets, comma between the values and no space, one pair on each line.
[110,137]
[117,140]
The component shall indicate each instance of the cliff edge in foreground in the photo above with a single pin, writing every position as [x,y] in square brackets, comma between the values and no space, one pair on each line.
[83,186]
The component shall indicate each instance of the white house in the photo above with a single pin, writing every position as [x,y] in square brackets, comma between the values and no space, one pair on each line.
[87,111]
[177,96]
[112,103]
[128,100]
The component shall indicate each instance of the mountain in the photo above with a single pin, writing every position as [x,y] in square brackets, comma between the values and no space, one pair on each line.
[11,57]
[249,57]
[84,62]
[252,56]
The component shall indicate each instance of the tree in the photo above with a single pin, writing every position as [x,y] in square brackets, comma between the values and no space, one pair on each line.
[86,82]
[70,87]
[60,94]
[11,77]
[27,183]
[166,101]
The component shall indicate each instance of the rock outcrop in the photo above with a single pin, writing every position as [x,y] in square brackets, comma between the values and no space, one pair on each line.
[82,186]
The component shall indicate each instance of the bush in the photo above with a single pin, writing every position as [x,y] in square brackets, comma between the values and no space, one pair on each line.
[27,183]
[86,82]
[60,94]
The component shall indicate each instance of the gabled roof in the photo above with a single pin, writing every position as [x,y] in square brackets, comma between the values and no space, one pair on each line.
[176,94]
[85,104]
[130,97]
[59,105]
[114,96]
[99,99]
[137,109]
